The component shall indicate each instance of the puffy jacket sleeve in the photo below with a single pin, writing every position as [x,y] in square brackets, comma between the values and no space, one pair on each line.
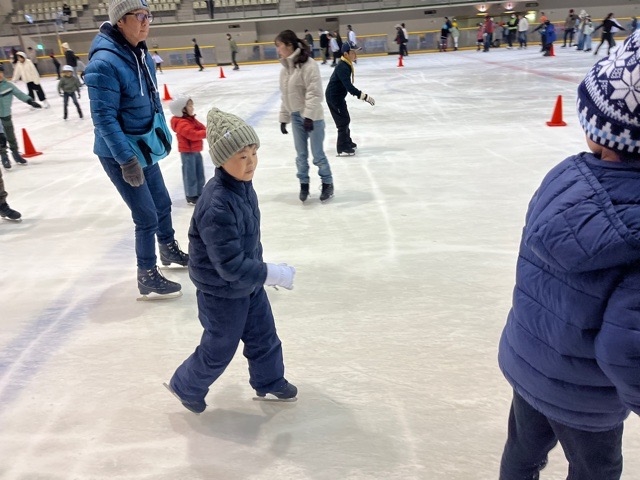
[19,94]
[192,131]
[221,236]
[104,96]
[617,345]
[18,72]
[314,94]
[285,115]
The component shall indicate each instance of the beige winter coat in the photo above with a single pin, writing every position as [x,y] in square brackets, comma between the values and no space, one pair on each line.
[301,89]
[26,71]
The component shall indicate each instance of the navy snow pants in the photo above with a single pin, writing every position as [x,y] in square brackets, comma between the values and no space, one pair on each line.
[226,321]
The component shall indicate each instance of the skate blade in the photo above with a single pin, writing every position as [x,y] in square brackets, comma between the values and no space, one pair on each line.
[346,154]
[272,398]
[152,297]
[7,219]
[168,387]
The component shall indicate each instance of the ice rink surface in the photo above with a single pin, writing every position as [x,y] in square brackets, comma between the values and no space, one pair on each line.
[403,285]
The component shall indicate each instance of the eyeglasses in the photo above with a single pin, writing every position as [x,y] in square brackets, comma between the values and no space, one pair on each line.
[141,17]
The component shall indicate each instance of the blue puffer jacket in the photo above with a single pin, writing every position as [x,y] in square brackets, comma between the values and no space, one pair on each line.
[123,92]
[571,346]
[225,253]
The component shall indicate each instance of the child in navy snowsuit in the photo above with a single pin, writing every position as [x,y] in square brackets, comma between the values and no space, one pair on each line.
[571,345]
[225,265]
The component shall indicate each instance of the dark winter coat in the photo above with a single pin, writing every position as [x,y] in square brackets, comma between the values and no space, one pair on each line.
[571,346]
[122,91]
[340,84]
[70,58]
[196,51]
[225,253]
[607,25]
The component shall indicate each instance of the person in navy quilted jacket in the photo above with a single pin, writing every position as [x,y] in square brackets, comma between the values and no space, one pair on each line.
[571,345]
[226,266]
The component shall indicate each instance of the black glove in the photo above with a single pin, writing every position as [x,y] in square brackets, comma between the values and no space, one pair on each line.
[132,172]
[33,103]
[283,128]
[308,125]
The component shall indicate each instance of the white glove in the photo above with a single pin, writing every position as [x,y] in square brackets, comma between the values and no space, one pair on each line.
[367,98]
[281,275]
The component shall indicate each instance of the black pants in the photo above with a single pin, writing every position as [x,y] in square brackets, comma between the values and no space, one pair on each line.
[606,37]
[71,96]
[199,63]
[591,455]
[342,120]
[568,34]
[10,135]
[35,89]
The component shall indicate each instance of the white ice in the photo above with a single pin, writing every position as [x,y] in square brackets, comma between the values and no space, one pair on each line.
[404,282]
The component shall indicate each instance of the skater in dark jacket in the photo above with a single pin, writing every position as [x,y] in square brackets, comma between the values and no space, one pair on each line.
[607,26]
[226,266]
[571,344]
[341,83]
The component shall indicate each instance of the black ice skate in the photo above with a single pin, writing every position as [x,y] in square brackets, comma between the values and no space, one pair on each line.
[327,192]
[304,191]
[9,213]
[283,392]
[5,161]
[348,152]
[153,282]
[18,158]
[171,253]
[195,407]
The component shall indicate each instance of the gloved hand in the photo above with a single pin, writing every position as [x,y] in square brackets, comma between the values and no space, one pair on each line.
[367,98]
[78,93]
[61,94]
[308,125]
[281,275]
[132,172]
[33,103]
[283,128]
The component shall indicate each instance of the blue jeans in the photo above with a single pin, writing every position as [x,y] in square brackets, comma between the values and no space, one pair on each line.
[226,321]
[316,138]
[522,38]
[150,207]
[591,455]
[192,173]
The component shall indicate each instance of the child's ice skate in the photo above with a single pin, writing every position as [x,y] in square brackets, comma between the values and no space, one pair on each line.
[283,392]
[195,407]
[171,253]
[153,285]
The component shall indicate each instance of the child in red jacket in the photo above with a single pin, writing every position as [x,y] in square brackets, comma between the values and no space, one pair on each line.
[190,133]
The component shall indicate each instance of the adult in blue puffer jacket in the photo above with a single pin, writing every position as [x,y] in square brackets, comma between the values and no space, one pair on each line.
[571,346]
[124,98]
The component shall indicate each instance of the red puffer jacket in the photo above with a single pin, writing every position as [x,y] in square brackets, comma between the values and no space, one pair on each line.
[190,133]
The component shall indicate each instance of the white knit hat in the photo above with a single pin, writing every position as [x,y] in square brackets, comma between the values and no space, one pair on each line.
[178,104]
[118,8]
[227,134]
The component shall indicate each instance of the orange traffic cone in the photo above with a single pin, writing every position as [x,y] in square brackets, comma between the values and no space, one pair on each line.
[556,119]
[167,95]
[29,151]
[551,52]
[222,73]
[400,64]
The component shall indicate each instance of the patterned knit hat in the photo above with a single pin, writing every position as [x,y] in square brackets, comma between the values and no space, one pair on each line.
[117,8]
[609,100]
[227,134]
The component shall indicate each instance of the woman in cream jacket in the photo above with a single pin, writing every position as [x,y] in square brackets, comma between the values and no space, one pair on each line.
[25,70]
